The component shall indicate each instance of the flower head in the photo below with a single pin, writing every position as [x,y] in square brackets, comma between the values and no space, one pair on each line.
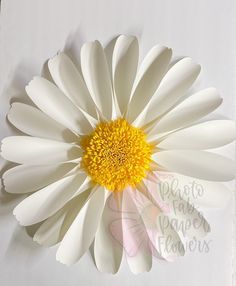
[116,155]
[109,130]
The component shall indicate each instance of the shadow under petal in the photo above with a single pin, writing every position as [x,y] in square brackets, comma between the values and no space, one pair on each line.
[73,45]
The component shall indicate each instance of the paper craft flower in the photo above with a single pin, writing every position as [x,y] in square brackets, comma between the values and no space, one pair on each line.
[105,129]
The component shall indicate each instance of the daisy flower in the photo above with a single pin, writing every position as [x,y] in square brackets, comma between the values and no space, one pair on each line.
[104,129]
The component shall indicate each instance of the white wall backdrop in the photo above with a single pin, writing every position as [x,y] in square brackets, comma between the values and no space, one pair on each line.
[34,30]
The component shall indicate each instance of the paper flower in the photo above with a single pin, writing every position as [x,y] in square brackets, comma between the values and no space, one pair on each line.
[108,130]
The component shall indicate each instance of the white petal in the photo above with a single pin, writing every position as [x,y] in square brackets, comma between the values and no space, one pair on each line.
[124,67]
[201,193]
[68,79]
[150,211]
[135,237]
[82,231]
[34,122]
[107,251]
[206,135]
[148,78]
[97,77]
[37,151]
[141,262]
[56,105]
[215,195]
[181,214]
[174,85]
[55,227]
[199,164]
[47,201]
[188,111]
[168,237]
[27,178]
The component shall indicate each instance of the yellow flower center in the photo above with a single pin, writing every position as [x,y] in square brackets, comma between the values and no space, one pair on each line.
[116,155]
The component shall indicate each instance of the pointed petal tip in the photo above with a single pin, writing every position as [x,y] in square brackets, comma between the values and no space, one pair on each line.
[22,220]
[31,82]
[98,43]
[9,114]
[55,58]
[63,260]
[189,60]
[127,37]
[17,217]
[169,51]
[2,148]
[108,271]
[52,60]
[36,239]
[4,183]
[90,45]
[141,271]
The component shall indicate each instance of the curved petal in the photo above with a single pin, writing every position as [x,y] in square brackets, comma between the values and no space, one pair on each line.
[53,229]
[124,67]
[97,77]
[199,164]
[27,178]
[37,151]
[174,85]
[141,262]
[188,111]
[206,135]
[34,122]
[55,104]
[182,215]
[135,237]
[201,193]
[47,201]
[147,80]
[68,79]
[151,210]
[82,231]
[168,236]
[107,251]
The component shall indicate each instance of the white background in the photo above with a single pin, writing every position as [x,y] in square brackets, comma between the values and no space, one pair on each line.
[34,30]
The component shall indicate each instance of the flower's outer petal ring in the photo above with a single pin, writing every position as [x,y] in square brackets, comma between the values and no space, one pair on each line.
[34,122]
[199,164]
[47,201]
[174,85]
[107,251]
[97,77]
[124,68]
[206,135]
[50,99]
[188,111]
[68,79]
[148,79]
[37,151]
[53,229]
[82,231]
[29,178]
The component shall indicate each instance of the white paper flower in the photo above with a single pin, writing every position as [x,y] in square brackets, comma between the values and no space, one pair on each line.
[108,131]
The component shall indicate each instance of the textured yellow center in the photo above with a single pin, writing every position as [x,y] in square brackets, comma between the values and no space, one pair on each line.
[116,154]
